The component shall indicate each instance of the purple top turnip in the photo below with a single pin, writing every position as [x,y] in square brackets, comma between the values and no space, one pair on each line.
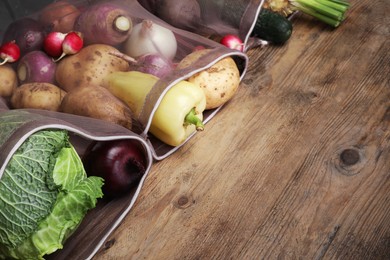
[36,66]
[27,33]
[104,23]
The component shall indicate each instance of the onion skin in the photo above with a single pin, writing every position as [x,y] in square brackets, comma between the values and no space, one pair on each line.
[97,23]
[27,33]
[121,163]
[36,66]
[148,37]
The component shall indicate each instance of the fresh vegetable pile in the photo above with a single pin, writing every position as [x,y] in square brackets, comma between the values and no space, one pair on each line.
[102,61]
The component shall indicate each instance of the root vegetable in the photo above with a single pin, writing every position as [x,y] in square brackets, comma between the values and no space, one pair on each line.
[184,14]
[37,96]
[72,44]
[104,23]
[148,37]
[97,102]
[36,66]
[59,16]
[233,42]
[9,52]
[121,163]
[90,66]
[154,64]
[219,82]
[27,33]
[52,44]
[8,80]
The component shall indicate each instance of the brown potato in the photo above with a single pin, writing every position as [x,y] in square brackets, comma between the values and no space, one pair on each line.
[59,16]
[97,102]
[88,67]
[219,82]
[8,80]
[38,95]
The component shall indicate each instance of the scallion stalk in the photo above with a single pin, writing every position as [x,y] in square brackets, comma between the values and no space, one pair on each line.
[331,12]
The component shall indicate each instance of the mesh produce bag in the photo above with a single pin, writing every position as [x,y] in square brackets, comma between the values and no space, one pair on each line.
[19,124]
[16,125]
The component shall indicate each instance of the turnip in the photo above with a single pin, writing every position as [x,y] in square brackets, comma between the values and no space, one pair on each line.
[27,33]
[36,66]
[104,23]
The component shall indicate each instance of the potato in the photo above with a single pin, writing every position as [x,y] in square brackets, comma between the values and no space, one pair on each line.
[219,82]
[90,66]
[97,102]
[59,16]
[38,95]
[8,80]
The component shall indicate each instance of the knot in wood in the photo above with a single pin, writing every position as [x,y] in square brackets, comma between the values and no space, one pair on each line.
[183,202]
[349,157]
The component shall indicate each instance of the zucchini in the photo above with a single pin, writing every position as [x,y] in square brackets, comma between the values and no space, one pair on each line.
[273,27]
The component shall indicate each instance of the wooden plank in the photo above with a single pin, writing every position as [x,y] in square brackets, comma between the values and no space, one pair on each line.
[296,166]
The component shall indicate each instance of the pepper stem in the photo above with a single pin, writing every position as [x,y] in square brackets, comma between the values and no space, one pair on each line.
[192,119]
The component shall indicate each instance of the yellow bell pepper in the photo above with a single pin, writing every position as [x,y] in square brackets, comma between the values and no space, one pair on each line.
[180,112]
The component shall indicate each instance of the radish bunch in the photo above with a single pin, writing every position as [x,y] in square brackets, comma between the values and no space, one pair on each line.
[58,45]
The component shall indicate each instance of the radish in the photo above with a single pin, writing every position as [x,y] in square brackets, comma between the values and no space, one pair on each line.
[36,66]
[233,42]
[72,44]
[9,52]
[52,44]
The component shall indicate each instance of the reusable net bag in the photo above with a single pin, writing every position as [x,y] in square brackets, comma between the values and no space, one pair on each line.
[19,124]
[210,18]
[187,41]
[215,19]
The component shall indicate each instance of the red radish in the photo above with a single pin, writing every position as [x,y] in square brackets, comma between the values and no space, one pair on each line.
[233,42]
[52,44]
[72,44]
[9,52]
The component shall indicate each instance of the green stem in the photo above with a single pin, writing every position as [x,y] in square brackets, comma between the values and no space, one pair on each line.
[331,12]
[192,119]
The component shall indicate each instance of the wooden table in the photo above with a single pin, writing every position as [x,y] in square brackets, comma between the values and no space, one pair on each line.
[296,166]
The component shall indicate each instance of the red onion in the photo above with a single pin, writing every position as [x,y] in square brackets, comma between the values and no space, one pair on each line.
[121,163]
[154,64]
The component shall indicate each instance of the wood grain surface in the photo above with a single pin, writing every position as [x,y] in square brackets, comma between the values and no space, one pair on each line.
[296,166]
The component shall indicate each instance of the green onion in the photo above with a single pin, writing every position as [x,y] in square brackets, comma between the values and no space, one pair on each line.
[331,12]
